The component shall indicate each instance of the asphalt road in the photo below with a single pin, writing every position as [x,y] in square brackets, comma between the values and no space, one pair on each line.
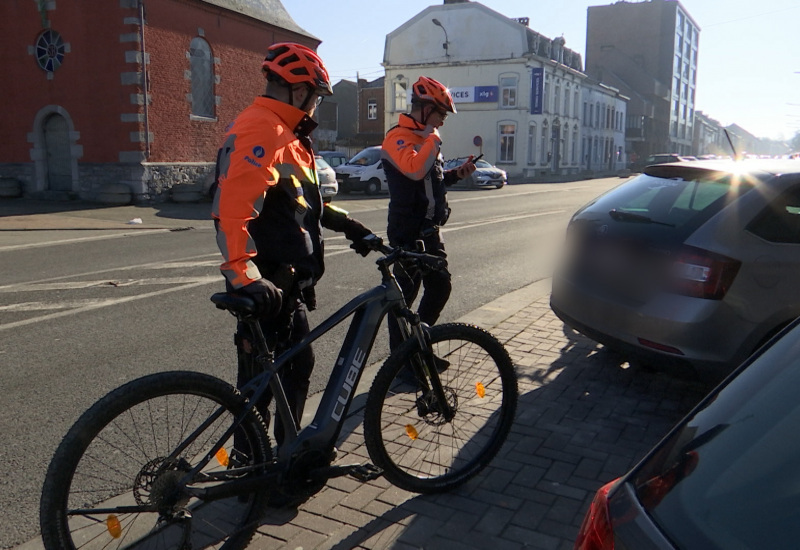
[82,312]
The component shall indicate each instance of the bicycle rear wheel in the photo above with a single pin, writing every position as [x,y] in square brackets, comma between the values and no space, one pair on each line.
[417,446]
[115,479]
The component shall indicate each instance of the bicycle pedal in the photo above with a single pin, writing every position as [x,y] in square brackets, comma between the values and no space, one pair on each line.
[366,472]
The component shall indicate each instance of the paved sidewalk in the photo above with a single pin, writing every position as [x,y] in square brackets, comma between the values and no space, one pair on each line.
[583,419]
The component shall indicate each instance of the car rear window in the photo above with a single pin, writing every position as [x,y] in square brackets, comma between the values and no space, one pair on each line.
[729,477]
[671,197]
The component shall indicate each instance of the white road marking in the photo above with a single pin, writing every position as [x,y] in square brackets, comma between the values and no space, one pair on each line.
[105,303]
[109,283]
[335,250]
[137,233]
[180,262]
[207,260]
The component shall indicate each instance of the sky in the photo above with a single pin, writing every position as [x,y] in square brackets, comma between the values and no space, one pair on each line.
[748,58]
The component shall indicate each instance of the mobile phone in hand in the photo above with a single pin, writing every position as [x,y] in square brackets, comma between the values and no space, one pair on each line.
[476,159]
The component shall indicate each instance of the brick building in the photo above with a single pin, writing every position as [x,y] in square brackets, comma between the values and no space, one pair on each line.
[371,108]
[130,94]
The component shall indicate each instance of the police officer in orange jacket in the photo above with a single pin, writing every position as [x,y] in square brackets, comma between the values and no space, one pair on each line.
[418,206]
[269,213]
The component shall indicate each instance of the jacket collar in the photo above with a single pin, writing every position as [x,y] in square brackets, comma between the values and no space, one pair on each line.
[301,124]
[407,121]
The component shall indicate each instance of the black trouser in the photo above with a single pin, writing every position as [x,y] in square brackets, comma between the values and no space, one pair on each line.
[436,286]
[282,333]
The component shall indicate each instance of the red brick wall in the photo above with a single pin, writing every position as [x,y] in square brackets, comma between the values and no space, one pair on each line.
[368,126]
[87,85]
[238,42]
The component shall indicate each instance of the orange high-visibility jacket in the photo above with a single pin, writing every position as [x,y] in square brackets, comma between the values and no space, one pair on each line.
[268,209]
[417,181]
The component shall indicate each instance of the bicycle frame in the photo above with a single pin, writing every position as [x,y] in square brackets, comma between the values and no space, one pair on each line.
[368,310]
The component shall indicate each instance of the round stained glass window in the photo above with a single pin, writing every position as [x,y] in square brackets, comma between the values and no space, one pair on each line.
[50,50]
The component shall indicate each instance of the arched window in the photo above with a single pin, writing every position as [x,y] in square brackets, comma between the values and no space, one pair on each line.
[202,72]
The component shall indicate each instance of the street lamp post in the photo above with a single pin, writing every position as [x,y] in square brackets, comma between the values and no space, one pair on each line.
[446,44]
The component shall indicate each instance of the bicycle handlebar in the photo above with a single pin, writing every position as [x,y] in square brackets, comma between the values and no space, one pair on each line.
[395,254]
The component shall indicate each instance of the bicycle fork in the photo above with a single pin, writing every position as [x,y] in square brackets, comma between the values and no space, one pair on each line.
[424,366]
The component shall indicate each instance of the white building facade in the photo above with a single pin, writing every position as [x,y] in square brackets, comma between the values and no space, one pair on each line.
[603,128]
[519,95]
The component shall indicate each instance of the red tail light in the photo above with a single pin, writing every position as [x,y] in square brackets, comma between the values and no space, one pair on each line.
[702,274]
[596,532]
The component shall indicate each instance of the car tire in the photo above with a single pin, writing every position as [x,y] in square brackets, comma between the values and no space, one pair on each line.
[372,187]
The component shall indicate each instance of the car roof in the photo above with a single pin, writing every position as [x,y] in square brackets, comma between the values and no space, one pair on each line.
[753,167]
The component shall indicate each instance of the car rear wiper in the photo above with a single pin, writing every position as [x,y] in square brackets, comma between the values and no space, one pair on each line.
[623,216]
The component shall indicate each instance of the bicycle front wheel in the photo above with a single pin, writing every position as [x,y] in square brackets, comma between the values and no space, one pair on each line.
[119,477]
[420,445]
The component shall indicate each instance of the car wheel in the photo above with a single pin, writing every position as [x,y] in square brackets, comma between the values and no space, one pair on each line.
[499,186]
[373,186]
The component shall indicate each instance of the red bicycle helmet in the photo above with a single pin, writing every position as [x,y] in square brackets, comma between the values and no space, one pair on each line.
[298,64]
[432,91]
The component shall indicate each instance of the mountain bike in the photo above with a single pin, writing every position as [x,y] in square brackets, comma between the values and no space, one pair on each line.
[183,459]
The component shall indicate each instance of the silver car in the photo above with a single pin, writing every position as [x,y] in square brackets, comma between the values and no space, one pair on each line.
[691,264]
[328,186]
[485,175]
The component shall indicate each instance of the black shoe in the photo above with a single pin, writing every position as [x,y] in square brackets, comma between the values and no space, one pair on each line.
[441,364]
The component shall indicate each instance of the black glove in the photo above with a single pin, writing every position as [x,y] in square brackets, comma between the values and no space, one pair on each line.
[267,296]
[445,215]
[355,231]
[368,243]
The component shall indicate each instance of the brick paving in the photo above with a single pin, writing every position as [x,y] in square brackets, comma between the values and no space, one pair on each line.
[584,418]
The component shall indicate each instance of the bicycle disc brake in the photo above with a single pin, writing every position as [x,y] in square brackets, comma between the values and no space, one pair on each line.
[429,410]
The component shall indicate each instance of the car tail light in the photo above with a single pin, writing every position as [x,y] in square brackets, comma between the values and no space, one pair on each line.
[596,532]
[702,274]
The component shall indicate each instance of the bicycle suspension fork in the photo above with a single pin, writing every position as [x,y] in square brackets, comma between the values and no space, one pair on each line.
[424,364]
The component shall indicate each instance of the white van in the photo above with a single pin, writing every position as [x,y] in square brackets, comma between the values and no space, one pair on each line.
[363,172]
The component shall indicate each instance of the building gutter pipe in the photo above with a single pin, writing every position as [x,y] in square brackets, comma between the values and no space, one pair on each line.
[145,81]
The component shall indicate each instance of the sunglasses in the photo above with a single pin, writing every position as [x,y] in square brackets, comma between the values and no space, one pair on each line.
[311,90]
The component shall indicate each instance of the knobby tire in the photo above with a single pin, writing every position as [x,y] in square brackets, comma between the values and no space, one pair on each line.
[114,456]
[417,448]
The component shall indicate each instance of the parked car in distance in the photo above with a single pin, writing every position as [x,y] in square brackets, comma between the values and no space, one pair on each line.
[363,172]
[690,265]
[724,477]
[328,186]
[485,175]
[659,158]
[333,158]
